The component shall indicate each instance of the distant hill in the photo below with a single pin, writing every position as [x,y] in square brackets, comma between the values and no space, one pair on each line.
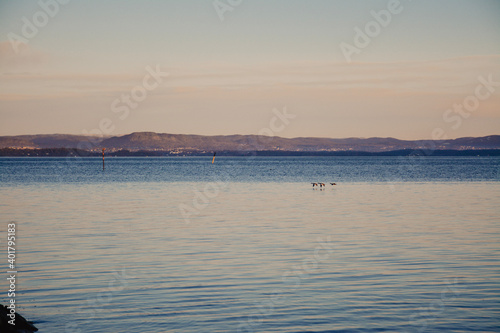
[44,141]
[151,141]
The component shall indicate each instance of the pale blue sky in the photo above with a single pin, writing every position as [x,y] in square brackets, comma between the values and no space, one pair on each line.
[227,76]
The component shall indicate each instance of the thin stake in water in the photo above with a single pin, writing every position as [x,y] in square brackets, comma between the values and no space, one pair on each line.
[213,159]
[103,149]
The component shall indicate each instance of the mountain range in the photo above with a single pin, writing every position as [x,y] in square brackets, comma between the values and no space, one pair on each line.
[151,141]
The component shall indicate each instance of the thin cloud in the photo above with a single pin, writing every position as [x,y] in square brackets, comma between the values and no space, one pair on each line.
[27,59]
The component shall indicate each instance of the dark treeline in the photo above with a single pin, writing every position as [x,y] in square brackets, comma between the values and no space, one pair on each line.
[64,152]
[51,152]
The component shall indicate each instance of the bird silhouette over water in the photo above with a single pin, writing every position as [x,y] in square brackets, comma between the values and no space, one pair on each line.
[321,185]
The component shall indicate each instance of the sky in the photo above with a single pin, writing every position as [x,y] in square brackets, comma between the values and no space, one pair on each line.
[359,68]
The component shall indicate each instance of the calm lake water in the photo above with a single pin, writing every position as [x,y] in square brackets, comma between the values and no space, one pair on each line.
[247,245]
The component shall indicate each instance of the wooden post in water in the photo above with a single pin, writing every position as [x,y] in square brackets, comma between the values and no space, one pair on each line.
[103,149]
[213,159]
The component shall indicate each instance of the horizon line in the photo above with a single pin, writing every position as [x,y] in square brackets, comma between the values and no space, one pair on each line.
[275,136]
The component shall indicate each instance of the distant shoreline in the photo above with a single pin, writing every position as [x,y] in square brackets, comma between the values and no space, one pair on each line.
[72,152]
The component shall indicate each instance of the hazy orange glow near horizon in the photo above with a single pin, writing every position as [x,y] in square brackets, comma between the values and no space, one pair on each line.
[404,69]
